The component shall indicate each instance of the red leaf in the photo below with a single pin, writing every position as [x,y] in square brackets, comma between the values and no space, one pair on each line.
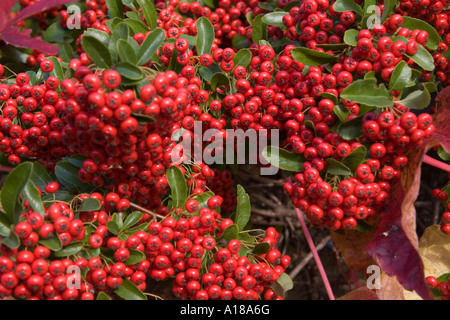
[361,293]
[395,244]
[23,40]
[5,12]
[36,8]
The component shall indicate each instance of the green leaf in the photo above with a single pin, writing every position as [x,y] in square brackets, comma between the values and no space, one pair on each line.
[115,8]
[336,168]
[363,226]
[259,31]
[136,25]
[34,199]
[230,233]
[129,71]
[329,96]
[351,37]
[205,35]
[219,79]
[131,220]
[70,250]
[143,118]
[113,227]
[129,291]
[14,184]
[136,256]
[354,158]
[243,208]
[261,248]
[434,37]
[100,35]
[442,154]
[389,5]
[283,284]
[401,76]
[5,225]
[207,73]
[150,45]
[242,58]
[67,174]
[12,241]
[77,160]
[283,159]
[192,41]
[90,204]
[126,51]
[149,11]
[202,200]
[419,99]
[178,186]
[312,57]
[347,5]
[274,18]
[97,51]
[351,129]
[57,69]
[103,296]
[40,176]
[366,92]
[240,42]
[54,243]
[422,57]
[55,33]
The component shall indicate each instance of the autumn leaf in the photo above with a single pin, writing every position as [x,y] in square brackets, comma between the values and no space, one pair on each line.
[13,35]
[361,293]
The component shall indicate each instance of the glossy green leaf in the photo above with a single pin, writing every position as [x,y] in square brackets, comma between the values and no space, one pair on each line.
[336,168]
[40,176]
[434,37]
[100,35]
[259,31]
[77,160]
[230,233]
[347,5]
[150,45]
[242,58]
[351,37]
[205,35]
[178,186]
[129,71]
[219,79]
[312,57]
[351,129]
[401,76]
[126,51]
[97,51]
[243,208]
[12,188]
[115,7]
[149,11]
[283,159]
[419,99]
[5,225]
[57,68]
[54,243]
[261,248]
[388,8]
[274,18]
[129,291]
[367,92]
[442,154]
[103,296]
[12,241]
[208,72]
[354,158]
[131,220]
[113,227]
[90,204]
[67,174]
[70,250]
[34,199]
[136,256]
[136,25]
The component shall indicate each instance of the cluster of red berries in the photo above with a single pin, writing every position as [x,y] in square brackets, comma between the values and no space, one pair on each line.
[442,197]
[442,287]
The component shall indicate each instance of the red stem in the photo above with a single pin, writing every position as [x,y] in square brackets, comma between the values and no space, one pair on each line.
[436,163]
[310,241]
[6,169]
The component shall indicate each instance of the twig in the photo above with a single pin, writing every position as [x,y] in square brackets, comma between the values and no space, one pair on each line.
[144,210]
[6,169]
[308,258]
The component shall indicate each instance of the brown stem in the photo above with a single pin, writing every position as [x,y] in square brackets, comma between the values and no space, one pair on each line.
[144,210]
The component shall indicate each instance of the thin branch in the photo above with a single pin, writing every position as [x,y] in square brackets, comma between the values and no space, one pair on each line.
[144,210]
[308,258]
